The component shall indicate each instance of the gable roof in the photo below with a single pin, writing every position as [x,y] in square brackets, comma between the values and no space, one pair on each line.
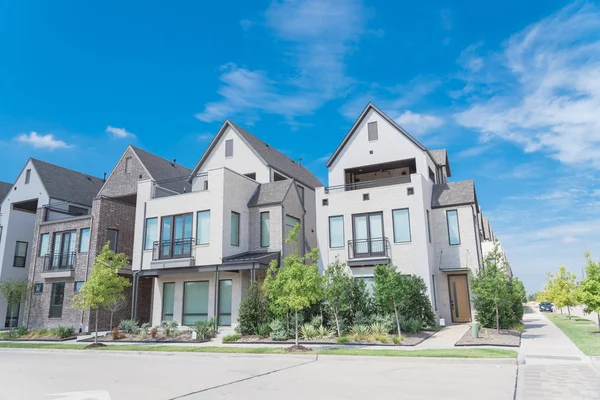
[4,189]
[440,157]
[160,168]
[270,193]
[66,184]
[271,156]
[453,194]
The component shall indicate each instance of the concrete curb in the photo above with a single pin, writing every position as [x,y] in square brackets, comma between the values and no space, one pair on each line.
[426,360]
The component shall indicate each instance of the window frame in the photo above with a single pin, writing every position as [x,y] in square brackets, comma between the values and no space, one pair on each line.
[60,258]
[297,221]
[301,193]
[183,313]
[343,233]
[228,148]
[457,227]
[162,311]
[47,235]
[219,323]
[394,225]
[239,222]
[18,256]
[52,294]
[251,175]
[268,222]
[75,290]
[113,246]
[156,236]
[28,176]
[171,240]
[36,286]
[198,227]
[81,240]
[429,226]
[435,307]
[375,137]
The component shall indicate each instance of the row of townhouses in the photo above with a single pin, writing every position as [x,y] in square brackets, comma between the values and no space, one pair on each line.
[197,238]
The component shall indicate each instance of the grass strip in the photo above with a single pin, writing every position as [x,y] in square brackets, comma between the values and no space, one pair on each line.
[581,331]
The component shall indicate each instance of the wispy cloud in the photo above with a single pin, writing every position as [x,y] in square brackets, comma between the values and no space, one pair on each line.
[119,133]
[315,36]
[550,98]
[418,124]
[204,137]
[48,141]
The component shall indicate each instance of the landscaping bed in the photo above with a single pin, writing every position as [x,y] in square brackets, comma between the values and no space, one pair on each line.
[182,337]
[489,337]
[59,334]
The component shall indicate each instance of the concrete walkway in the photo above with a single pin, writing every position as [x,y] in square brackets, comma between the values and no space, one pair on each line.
[446,338]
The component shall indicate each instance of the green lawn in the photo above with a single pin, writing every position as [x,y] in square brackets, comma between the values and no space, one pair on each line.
[446,353]
[580,331]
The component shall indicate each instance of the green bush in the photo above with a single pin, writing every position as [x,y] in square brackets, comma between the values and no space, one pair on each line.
[129,326]
[324,332]
[316,321]
[411,325]
[146,326]
[264,330]
[360,332]
[308,332]
[378,329]
[63,331]
[21,331]
[278,330]
[10,335]
[170,327]
[397,339]
[342,340]
[387,320]
[205,330]
[234,337]
[253,311]
[42,332]
[362,318]
[415,303]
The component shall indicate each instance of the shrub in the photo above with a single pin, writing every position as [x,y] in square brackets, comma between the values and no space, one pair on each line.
[264,330]
[414,302]
[342,340]
[169,327]
[129,326]
[153,333]
[205,330]
[378,329]
[324,333]
[362,318]
[116,334]
[253,311]
[360,332]
[234,337]
[308,332]
[21,331]
[316,321]
[382,339]
[10,335]
[63,331]
[411,325]
[387,320]
[146,326]
[278,330]
[397,339]
[43,332]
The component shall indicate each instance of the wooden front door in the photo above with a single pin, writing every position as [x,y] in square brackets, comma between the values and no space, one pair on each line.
[459,298]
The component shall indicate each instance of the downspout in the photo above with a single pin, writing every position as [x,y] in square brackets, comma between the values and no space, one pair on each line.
[136,278]
[216,306]
[477,239]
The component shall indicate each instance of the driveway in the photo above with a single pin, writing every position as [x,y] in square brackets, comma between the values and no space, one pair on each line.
[27,374]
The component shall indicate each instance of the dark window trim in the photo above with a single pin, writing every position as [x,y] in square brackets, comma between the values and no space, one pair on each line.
[62,305]
[116,244]
[343,233]
[19,257]
[172,235]
[163,301]
[294,218]
[301,192]
[146,232]
[238,228]
[75,286]
[457,227]
[36,286]
[435,307]
[251,175]
[368,214]
[261,229]
[183,313]
[394,224]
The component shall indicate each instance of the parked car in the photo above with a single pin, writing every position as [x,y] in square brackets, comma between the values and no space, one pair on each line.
[546,306]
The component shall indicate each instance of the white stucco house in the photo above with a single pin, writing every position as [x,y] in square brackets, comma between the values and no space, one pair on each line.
[389,200]
[205,236]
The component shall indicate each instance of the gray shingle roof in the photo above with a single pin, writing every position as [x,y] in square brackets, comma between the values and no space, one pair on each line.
[169,175]
[66,184]
[270,193]
[441,158]
[261,257]
[4,189]
[278,160]
[453,194]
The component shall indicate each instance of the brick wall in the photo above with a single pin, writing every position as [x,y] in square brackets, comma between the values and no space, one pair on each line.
[120,183]
[292,206]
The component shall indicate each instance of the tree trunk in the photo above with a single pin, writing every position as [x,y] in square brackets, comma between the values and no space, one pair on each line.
[598,315]
[12,317]
[569,311]
[296,327]
[397,318]
[337,321]
[96,337]
[111,320]
[497,320]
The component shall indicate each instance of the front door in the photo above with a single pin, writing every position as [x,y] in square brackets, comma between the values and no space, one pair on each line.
[459,298]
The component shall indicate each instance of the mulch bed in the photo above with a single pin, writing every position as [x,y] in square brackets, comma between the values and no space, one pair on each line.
[298,349]
[506,338]
[160,338]
[42,339]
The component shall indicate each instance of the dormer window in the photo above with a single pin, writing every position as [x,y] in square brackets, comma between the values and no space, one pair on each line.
[373,134]
[229,148]
[27,176]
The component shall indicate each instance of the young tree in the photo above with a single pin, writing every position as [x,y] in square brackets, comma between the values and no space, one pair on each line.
[562,289]
[338,289]
[104,286]
[115,306]
[14,293]
[297,284]
[490,288]
[253,311]
[589,290]
[388,290]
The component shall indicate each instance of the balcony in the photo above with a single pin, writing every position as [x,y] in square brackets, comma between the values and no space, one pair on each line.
[59,265]
[376,175]
[180,185]
[368,184]
[368,251]
[173,253]
[63,210]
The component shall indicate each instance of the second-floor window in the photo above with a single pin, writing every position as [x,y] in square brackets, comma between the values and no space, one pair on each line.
[336,231]
[401,219]
[203,228]
[176,236]
[63,249]
[84,240]
[44,243]
[112,237]
[20,255]
[453,230]
[151,234]
[265,231]
[368,234]
[235,229]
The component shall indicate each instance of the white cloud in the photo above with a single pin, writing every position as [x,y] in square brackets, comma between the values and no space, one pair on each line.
[315,37]
[205,137]
[550,93]
[418,124]
[42,141]
[119,133]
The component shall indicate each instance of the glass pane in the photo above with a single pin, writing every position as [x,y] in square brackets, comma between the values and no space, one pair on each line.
[72,242]
[195,302]
[336,231]
[225,290]
[401,226]
[265,237]
[168,300]
[178,235]
[235,229]
[151,233]
[166,236]
[84,244]
[56,299]
[360,235]
[56,249]
[21,249]
[188,221]
[370,283]
[44,244]
[203,233]
[453,233]
[291,221]
[376,226]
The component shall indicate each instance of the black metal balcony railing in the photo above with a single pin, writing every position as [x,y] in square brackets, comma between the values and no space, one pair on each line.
[365,248]
[170,249]
[368,184]
[59,261]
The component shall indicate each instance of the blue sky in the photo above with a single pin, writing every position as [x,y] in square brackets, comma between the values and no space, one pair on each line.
[511,89]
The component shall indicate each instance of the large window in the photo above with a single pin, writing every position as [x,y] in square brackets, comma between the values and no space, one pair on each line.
[265,231]
[369,240]
[20,255]
[195,302]
[112,236]
[84,240]
[128,162]
[44,244]
[168,301]
[235,229]
[225,299]
[336,231]
[428,226]
[453,231]
[401,220]
[56,300]
[63,251]
[151,235]
[203,228]
[176,236]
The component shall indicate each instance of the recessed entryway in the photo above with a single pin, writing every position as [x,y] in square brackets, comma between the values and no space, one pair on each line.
[460,306]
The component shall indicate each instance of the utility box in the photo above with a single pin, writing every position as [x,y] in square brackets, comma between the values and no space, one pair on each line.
[475,329]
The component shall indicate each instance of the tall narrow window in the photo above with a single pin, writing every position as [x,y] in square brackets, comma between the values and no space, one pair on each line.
[128,162]
[265,236]
[151,233]
[168,301]
[434,293]
[428,226]
[453,231]
[203,227]
[12,316]
[401,225]
[56,300]
[63,252]
[20,255]
[112,237]
[373,134]
[229,148]
[336,231]
[27,176]
[84,240]
[235,229]
[44,243]
[301,191]
[225,300]
[195,302]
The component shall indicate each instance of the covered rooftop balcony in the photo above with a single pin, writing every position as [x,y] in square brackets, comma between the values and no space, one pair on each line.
[369,176]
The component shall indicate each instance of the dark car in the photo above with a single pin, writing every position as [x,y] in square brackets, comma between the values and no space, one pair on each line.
[546,306]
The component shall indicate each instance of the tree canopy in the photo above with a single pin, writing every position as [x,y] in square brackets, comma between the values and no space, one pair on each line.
[589,290]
